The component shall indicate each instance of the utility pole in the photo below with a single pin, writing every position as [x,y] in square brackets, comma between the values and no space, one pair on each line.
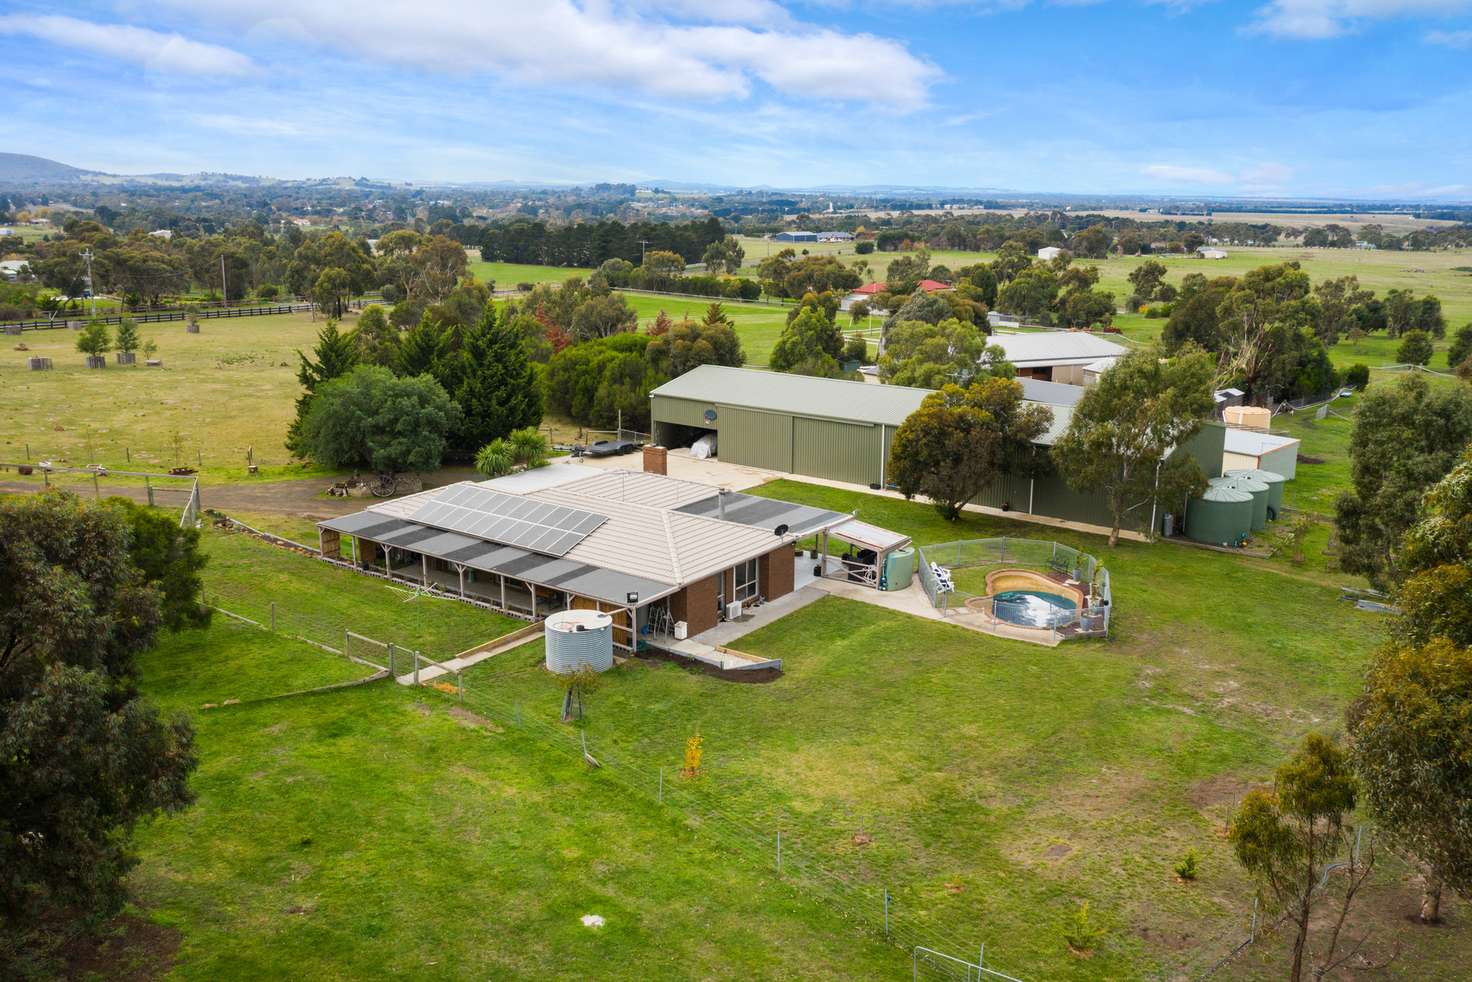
[91,286]
[643,246]
[224,287]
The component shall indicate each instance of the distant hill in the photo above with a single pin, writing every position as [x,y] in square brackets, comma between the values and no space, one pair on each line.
[24,167]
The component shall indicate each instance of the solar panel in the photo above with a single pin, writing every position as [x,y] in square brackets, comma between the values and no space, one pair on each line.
[509,519]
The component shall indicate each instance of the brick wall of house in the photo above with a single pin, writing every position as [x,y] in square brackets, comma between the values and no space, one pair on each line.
[775,572]
[696,605]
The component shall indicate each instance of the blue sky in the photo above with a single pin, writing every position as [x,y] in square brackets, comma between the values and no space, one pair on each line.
[1294,97]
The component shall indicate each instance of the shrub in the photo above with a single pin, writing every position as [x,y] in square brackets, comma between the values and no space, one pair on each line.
[694,751]
[856,349]
[1189,866]
[1415,348]
[529,447]
[1357,376]
[1082,934]
[270,291]
[495,459]
[524,287]
[864,248]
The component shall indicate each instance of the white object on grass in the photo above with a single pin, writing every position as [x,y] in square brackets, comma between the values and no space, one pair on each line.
[592,920]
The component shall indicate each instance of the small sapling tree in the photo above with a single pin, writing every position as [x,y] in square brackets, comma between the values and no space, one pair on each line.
[1288,837]
[94,342]
[126,341]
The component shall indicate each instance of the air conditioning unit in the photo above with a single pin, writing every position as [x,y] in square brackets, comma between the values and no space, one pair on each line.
[682,630]
[733,610]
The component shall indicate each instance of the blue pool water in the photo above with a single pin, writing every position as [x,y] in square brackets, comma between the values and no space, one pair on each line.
[1032,608]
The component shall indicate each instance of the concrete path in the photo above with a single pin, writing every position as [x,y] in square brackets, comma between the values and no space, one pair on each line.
[431,672]
[914,601]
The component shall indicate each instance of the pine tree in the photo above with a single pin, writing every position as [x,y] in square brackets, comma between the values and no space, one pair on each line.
[498,390]
[336,354]
[417,348]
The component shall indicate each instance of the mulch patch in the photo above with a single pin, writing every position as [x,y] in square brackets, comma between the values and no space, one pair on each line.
[129,948]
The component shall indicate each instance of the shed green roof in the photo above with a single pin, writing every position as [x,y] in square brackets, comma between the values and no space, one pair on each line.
[861,402]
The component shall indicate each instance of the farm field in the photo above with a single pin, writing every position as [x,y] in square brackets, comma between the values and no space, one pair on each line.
[231,387]
[991,786]
[507,275]
[1423,272]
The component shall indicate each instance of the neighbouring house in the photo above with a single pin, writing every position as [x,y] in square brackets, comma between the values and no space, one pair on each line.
[162,233]
[1059,356]
[835,236]
[13,269]
[995,318]
[665,558]
[1260,451]
[795,236]
[1211,252]
[839,430]
[1048,253]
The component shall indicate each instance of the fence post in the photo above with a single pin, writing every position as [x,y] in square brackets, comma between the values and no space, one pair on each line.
[273,615]
[886,911]
[148,486]
[416,666]
[345,634]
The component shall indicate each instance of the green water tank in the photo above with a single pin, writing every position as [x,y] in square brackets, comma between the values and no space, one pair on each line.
[899,569]
[1259,492]
[1220,517]
[1273,480]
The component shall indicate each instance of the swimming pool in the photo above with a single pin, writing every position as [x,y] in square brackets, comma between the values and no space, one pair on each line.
[1033,608]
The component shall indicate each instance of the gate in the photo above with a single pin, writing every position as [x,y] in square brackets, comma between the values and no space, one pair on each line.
[926,963]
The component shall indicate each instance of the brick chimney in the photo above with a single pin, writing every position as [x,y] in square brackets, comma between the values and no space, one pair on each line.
[656,460]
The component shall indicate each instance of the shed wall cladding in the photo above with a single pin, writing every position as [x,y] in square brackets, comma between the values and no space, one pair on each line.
[681,411]
[757,439]
[1053,497]
[1282,461]
[1005,490]
[1207,446]
[836,451]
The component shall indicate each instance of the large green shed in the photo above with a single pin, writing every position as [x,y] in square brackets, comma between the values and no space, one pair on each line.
[842,431]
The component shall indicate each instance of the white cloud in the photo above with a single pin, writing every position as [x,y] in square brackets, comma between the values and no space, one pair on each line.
[247,125]
[1450,39]
[1318,19]
[664,47]
[156,51]
[1265,176]
[1181,174]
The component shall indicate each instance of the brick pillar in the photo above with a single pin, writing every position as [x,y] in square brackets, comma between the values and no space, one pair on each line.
[656,460]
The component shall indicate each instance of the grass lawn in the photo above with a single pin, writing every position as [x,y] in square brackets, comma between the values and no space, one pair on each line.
[380,831]
[318,601]
[991,786]
[506,276]
[231,387]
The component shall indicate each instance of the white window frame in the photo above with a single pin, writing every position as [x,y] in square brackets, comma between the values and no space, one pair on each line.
[749,590]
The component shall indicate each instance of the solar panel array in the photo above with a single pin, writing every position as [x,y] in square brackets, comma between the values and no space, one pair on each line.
[509,519]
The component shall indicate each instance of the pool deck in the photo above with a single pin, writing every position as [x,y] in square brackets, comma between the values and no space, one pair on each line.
[913,600]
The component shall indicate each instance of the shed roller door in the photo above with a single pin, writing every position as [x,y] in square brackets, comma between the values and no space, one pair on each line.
[836,451]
